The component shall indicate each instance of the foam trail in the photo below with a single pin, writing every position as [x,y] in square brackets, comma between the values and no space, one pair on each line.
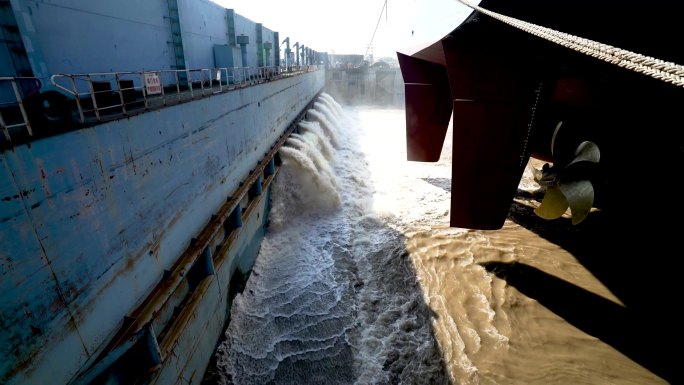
[290,324]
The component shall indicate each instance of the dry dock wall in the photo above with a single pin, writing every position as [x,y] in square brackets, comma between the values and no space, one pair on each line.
[91,219]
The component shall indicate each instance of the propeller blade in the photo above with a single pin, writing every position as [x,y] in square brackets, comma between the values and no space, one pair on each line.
[580,197]
[587,152]
[553,205]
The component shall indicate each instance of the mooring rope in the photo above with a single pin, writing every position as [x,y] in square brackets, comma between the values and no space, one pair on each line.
[659,69]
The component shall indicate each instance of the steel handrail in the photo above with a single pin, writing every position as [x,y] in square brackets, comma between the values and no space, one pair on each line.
[210,81]
[18,100]
[101,96]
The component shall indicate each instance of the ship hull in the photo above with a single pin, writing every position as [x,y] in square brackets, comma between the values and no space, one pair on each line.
[512,95]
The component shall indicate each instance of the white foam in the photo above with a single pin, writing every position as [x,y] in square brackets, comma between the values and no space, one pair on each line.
[332,101]
[323,108]
[313,132]
[303,310]
[328,128]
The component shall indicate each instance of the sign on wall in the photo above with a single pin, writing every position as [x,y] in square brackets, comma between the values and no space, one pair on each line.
[152,83]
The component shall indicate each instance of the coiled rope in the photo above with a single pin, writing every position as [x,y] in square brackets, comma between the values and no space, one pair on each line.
[659,69]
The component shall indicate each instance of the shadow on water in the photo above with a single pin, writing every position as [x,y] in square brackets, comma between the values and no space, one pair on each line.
[443,183]
[391,340]
[636,255]
[392,310]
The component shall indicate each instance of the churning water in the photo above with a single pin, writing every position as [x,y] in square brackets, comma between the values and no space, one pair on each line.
[361,281]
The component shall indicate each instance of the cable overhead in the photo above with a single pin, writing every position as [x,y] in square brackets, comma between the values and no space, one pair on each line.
[384,6]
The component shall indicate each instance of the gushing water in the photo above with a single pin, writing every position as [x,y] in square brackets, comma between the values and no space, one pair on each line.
[361,281]
[315,310]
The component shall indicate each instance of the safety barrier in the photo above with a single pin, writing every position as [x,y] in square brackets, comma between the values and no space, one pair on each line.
[86,99]
[101,96]
[13,92]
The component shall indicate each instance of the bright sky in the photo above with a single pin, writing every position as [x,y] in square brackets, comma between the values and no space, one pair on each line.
[346,26]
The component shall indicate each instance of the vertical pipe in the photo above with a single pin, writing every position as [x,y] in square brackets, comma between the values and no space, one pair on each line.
[288,53]
[230,20]
[260,44]
[267,48]
[276,53]
[303,54]
[297,53]
[243,40]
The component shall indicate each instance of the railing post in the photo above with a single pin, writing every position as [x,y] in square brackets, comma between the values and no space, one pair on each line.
[144,90]
[78,99]
[161,83]
[92,97]
[192,94]
[234,77]
[4,129]
[21,107]
[121,98]
[177,85]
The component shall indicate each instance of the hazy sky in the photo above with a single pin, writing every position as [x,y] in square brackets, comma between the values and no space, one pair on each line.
[346,26]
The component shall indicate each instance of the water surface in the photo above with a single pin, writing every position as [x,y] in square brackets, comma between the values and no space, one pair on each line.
[361,281]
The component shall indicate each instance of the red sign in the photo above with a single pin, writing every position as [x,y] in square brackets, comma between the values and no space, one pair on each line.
[152,83]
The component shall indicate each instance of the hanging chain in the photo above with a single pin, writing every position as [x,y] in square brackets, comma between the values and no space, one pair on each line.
[530,125]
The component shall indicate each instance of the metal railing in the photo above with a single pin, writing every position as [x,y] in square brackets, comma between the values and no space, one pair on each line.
[97,97]
[13,92]
[106,96]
